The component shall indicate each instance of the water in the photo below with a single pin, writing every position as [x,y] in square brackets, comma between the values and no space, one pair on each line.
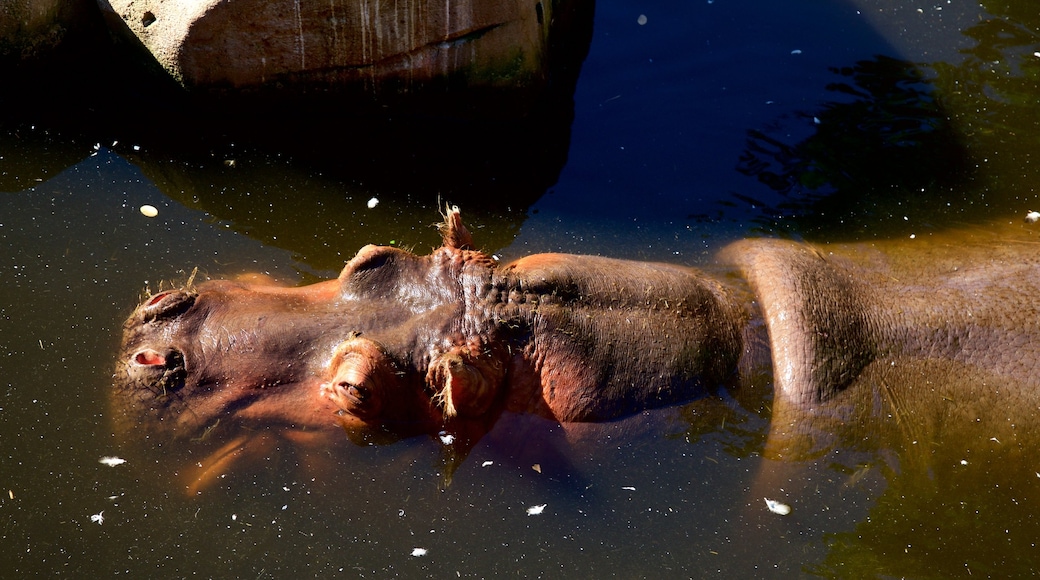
[710,122]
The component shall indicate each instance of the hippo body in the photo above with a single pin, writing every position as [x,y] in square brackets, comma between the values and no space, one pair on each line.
[401,344]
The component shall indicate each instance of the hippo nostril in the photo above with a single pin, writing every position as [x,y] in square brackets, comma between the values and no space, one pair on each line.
[160,371]
[156,299]
[149,357]
[166,305]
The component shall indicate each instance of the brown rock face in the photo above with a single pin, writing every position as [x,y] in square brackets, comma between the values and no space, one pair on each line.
[311,45]
[29,28]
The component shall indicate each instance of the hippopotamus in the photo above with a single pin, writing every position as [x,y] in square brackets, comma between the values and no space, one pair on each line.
[401,344]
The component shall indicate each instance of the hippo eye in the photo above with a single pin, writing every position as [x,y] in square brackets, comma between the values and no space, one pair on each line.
[373,269]
[357,392]
[371,261]
[361,375]
[357,399]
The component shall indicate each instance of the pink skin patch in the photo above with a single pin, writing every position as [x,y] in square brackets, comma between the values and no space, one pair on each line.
[149,357]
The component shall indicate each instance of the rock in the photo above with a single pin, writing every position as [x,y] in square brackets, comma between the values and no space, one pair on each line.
[32,28]
[376,49]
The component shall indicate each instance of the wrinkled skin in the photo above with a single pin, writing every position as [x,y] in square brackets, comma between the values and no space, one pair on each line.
[402,344]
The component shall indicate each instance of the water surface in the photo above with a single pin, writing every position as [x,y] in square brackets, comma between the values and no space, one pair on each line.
[707,122]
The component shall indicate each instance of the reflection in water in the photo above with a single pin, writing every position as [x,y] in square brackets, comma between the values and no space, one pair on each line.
[907,148]
[254,162]
[948,424]
[933,144]
[888,146]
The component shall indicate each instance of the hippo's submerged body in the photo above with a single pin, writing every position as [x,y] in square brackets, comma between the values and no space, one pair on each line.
[401,344]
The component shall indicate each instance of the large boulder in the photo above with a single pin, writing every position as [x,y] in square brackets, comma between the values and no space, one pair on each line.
[376,49]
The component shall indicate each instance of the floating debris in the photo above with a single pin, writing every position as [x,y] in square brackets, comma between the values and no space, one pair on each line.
[373,202]
[536,509]
[149,211]
[111,461]
[98,518]
[537,467]
[641,20]
[446,438]
[418,552]
[1032,217]
[628,487]
[777,507]
[487,464]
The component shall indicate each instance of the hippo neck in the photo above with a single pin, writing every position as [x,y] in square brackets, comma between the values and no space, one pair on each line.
[596,338]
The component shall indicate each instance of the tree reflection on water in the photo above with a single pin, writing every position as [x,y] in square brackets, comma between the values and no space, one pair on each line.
[933,144]
[887,145]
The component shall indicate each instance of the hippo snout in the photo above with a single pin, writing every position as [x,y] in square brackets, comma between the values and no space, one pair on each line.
[160,371]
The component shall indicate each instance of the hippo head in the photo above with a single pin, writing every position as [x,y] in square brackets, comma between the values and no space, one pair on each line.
[401,344]
[375,351]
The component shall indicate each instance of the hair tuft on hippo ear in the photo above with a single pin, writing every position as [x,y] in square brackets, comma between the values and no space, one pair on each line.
[465,380]
[453,233]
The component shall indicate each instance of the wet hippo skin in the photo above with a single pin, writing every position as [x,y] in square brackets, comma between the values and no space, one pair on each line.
[401,344]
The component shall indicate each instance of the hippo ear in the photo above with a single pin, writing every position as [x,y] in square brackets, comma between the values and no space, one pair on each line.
[360,377]
[466,379]
[453,233]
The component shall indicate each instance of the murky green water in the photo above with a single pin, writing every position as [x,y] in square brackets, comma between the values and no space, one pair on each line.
[711,122]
